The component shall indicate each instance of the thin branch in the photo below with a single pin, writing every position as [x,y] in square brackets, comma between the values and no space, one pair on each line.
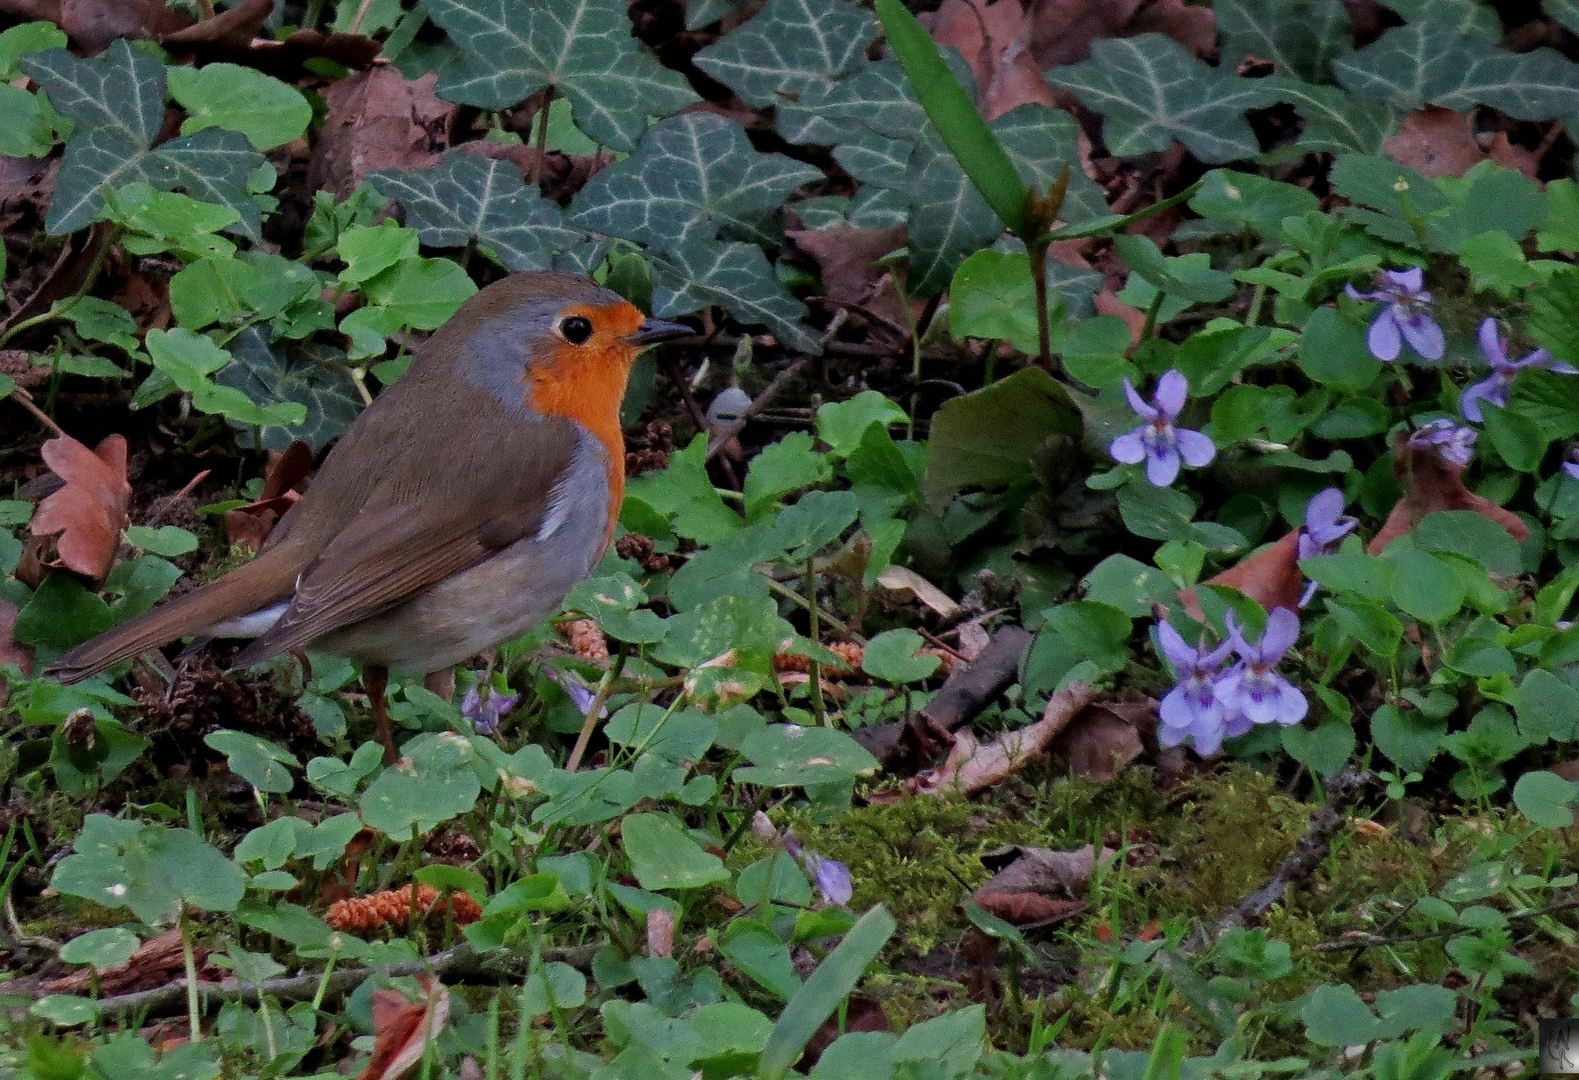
[22,398]
[735,427]
[1377,941]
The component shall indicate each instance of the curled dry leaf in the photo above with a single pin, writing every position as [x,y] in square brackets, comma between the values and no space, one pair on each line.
[902,579]
[379,119]
[89,511]
[1270,576]
[847,257]
[250,525]
[1434,483]
[660,933]
[1028,908]
[1103,738]
[995,39]
[972,766]
[402,1029]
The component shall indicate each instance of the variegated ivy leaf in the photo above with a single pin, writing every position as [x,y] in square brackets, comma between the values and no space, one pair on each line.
[1409,66]
[317,379]
[738,278]
[791,55]
[700,13]
[948,217]
[1335,122]
[583,49]
[879,97]
[469,197]
[1150,91]
[1300,37]
[1564,11]
[116,102]
[1469,17]
[692,177]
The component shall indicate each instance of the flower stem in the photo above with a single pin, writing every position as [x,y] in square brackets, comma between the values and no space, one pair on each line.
[190,962]
[1152,310]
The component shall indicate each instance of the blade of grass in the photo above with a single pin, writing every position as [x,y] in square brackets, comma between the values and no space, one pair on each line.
[822,992]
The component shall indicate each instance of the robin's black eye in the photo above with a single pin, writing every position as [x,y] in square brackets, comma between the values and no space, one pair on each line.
[575,330]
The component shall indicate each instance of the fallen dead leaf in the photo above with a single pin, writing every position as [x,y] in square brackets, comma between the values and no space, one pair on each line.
[1101,740]
[10,651]
[403,1028]
[233,28]
[1440,142]
[1022,868]
[1270,576]
[847,257]
[903,579]
[1434,483]
[1108,303]
[972,766]
[89,510]
[1062,30]
[379,119]
[995,39]
[660,933]
[94,24]
[251,525]
[1028,908]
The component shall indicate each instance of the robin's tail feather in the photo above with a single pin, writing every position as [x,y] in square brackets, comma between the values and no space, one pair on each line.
[265,580]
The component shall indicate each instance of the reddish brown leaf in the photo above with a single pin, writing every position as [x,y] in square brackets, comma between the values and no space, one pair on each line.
[89,511]
[1062,30]
[94,24]
[1108,303]
[10,651]
[232,28]
[403,1028]
[1435,483]
[847,257]
[1440,142]
[250,525]
[378,119]
[1270,576]
[995,39]
[1099,742]
[1043,870]
[1028,908]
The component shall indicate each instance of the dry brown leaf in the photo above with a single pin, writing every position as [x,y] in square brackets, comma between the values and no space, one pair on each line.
[250,525]
[89,511]
[94,24]
[1108,303]
[1028,908]
[1270,576]
[660,933]
[1062,30]
[1043,870]
[379,119]
[903,579]
[847,257]
[233,28]
[995,39]
[1100,741]
[1440,142]
[1434,483]
[403,1028]
[972,766]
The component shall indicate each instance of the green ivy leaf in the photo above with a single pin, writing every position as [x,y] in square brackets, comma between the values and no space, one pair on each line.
[267,111]
[1335,122]
[1301,38]
[1151,91]
[116,101]
[692,177]
[736,277]
[189,359]
[470,197]
[1429,62]
[1472,18]
[583,49]
[315,380]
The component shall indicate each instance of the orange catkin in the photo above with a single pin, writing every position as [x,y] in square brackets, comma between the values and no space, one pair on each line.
[393,906]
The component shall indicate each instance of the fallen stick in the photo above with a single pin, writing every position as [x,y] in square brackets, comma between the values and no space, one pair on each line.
[1343,791]
[972,766]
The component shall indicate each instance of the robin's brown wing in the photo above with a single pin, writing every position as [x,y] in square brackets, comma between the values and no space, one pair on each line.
[428,525]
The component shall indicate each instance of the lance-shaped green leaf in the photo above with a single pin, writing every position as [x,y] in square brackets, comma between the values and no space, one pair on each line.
[954,117]
[693,177]
[469,197]
[1151,91]
[317,379]
[794,51]
[1430,63]
[116,101]
[738,278]
[949,219]
[1335,122]
[1301,37]
[582,49]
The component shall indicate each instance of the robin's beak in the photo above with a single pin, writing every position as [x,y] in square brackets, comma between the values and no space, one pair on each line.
[652,331]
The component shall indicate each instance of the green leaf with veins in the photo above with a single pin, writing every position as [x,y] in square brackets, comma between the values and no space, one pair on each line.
[692,177]
[267,111]
[663,855]
[1564,11]
[1422,63]
[895,656]
[149,869]
[874,159]
[583,49]
[1150,91]
[314,377]
[736,277]
[1335,122]
[1301,38]
[792,52]
[116,101]
[189,360]
[30,37]
[469,197]
[1470,18]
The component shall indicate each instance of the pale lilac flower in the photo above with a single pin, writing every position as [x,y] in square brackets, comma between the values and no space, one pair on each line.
[831,876]
[1253,692]
[486,712]
[1572,467]
[1453,443]
[1325,527]
[1192,709]
[1494,388]
[1404,316]
[1157,442]
[579,695]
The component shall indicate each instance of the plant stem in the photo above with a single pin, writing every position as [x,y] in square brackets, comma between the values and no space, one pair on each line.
[818,708]
[60,309]
[1152,309]
[361,13]
[1044,335]
[605,687]
[541,141]
[190,962]
[323,983]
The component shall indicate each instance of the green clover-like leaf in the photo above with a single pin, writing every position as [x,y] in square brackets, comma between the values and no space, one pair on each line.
[1151,91]
[792,53]
[693,176]
[267,111]
[264,765]
[315,377]
[116,101]
[582,49]
[1301,38]
[149,869]
[1428,62]
[469,197]
[736,277]
[189,360]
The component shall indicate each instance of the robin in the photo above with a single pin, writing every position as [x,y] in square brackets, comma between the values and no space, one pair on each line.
[455,513]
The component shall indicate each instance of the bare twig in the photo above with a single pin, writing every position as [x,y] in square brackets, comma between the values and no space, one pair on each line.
[1375,941]
[724,434]
[22,398]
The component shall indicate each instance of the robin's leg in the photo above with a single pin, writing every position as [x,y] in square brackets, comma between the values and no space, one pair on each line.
[375,677]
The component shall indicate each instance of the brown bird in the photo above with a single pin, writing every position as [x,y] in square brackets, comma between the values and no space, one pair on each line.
[455,513]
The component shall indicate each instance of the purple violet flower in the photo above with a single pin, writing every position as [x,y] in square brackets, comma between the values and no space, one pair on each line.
[1453,443]
[1325,527]
[1572,467]
[1192,709]
[1404,318]
[1253,692]
[1157,442]
[831,876]
[1494,388]
[486,712]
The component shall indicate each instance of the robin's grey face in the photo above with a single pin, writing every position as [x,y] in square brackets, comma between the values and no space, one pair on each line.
[508,340]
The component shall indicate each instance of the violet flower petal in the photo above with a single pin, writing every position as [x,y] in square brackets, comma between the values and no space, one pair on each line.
[1179,652]
[1172,391]
[1196,449]
[1493,389]
[1408,280]
[1142,407]
[1491,344]
[1162,464]
[1282,630]
[1384,339]
[1129,449]
[1423,334]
